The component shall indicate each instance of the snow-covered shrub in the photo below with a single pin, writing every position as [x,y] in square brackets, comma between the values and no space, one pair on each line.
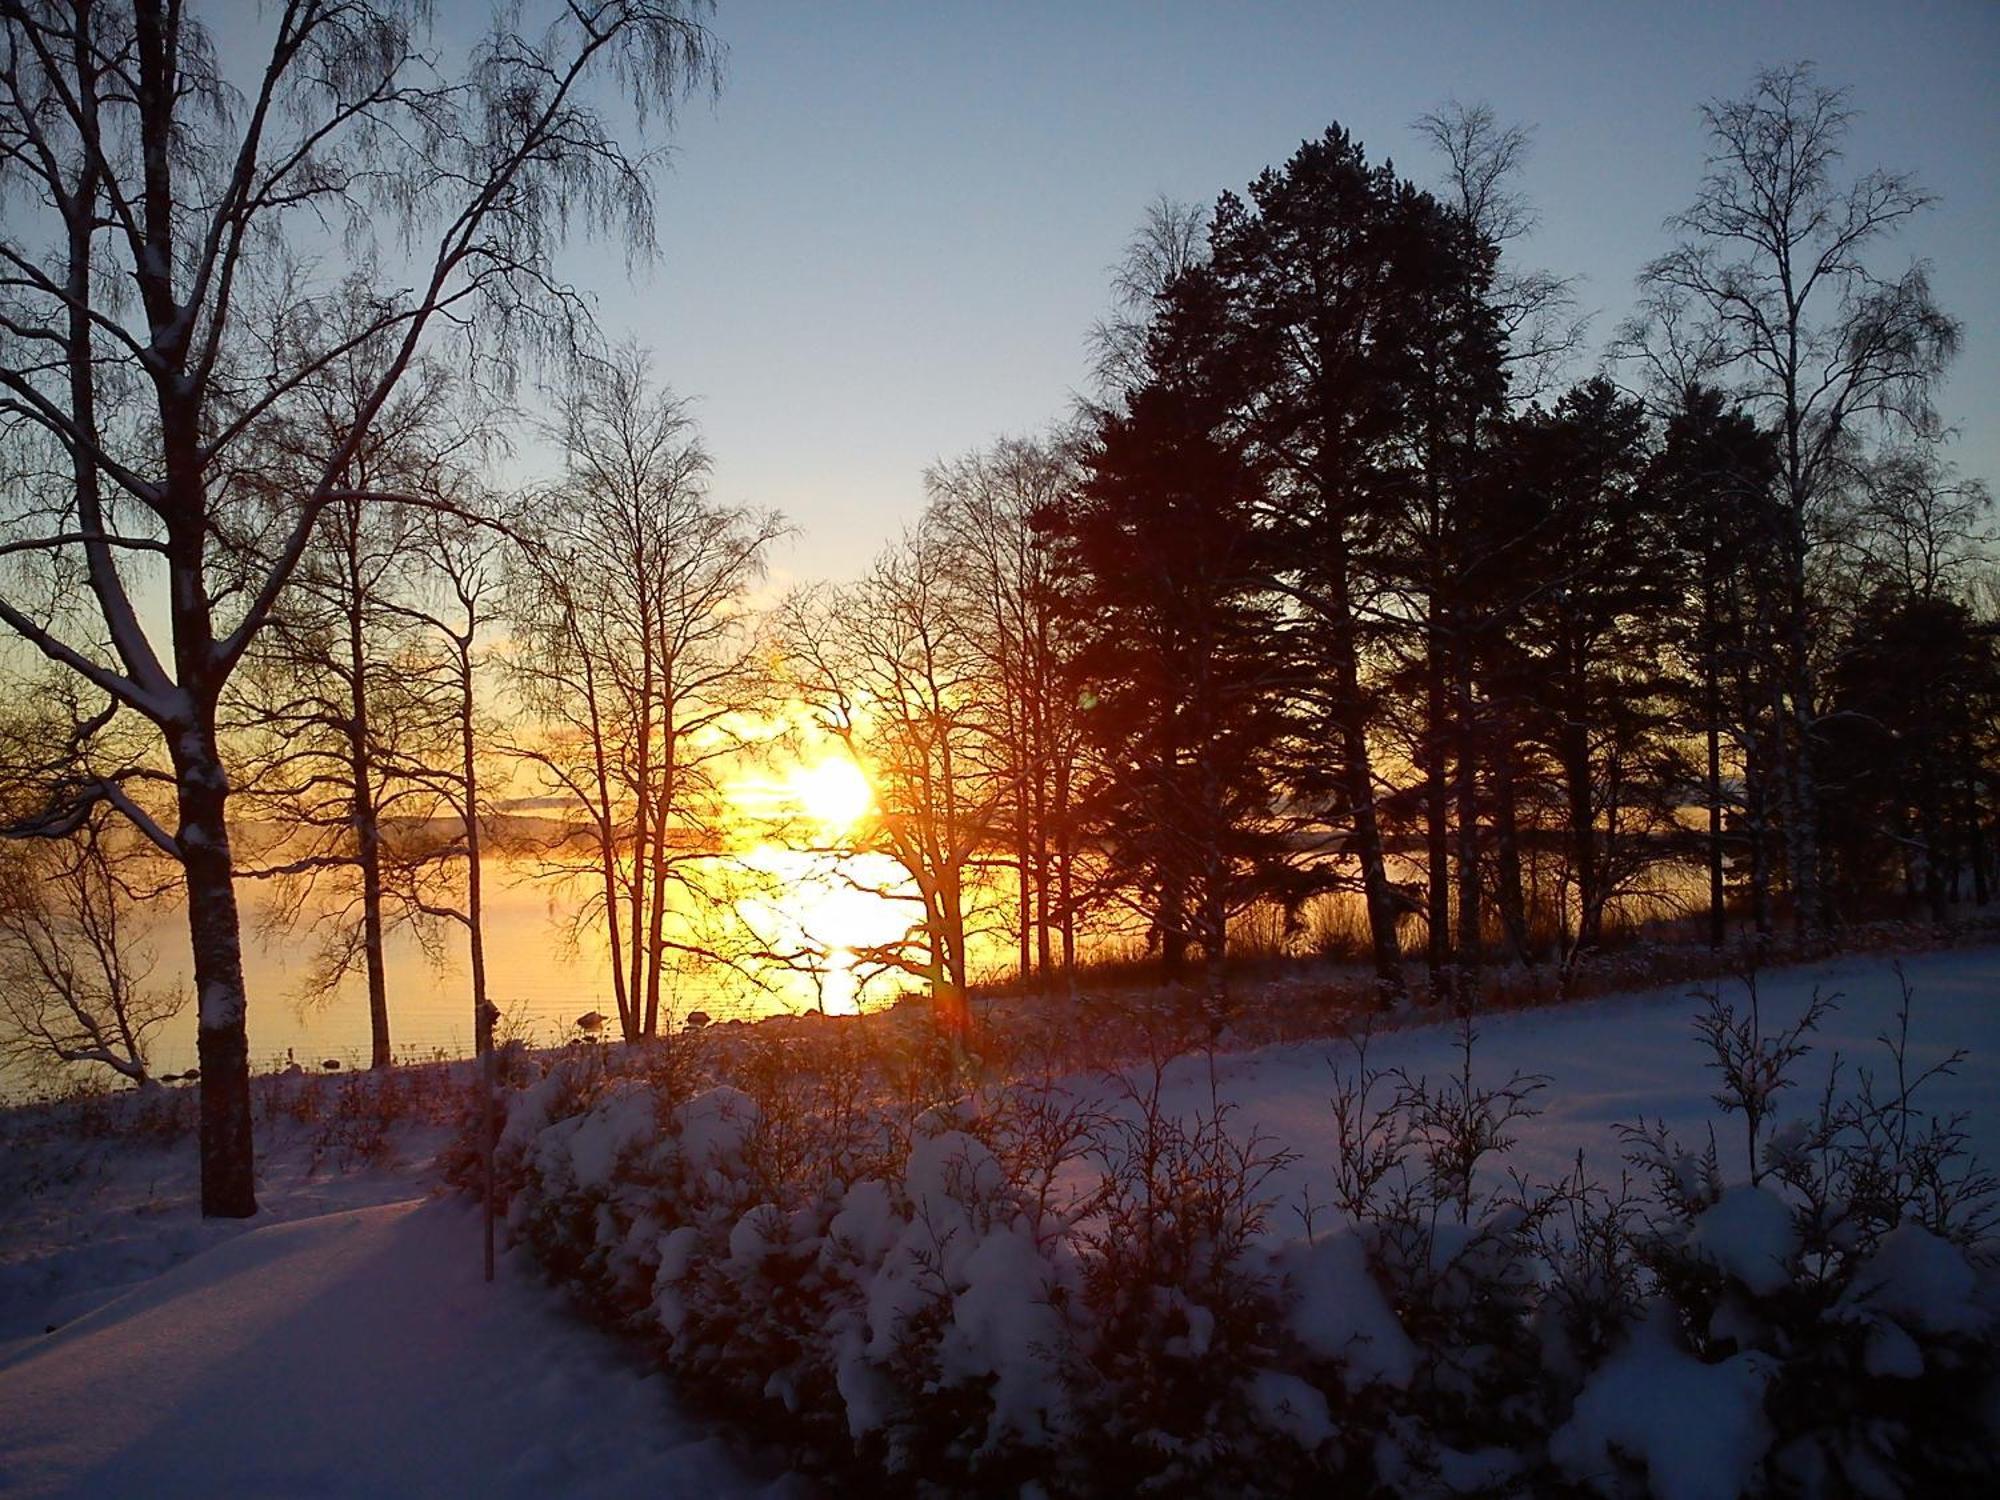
[585,1189]
[1592,1283]
[353,1130]
[460,1159]
[154,1114]
[736,1289]
[1183,1309]
[924,1290]
[1655,1420]
[1463,1377]
[908,1322]
[533,1096]
[1840,1274]
[954,1351]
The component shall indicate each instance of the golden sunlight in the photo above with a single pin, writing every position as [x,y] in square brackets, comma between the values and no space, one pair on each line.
[806,894]
[832,792]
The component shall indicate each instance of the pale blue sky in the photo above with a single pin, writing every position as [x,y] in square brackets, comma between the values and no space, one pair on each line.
[888,238]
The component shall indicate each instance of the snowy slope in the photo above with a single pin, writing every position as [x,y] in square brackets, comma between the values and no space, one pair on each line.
[1614,1060]
[354,1354]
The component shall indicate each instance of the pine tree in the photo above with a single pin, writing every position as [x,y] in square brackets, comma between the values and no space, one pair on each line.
[1715,476]
[1593,588]
[1180,672]
[1357,302]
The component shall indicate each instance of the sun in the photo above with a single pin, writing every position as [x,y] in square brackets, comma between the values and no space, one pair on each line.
[833,793]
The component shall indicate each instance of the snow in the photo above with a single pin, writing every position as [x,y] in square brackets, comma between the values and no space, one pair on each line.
[1004,1326]
[945,1178]
[1922,1282]
[756,1235]
[1288,1405]
[355,1353]
[1339,1313]
[961,1243]
[713,1126]
[1698,1430]
[608,1133]
[1617,1060]
[867,1224]
[88,1219]
[342,1343]
[1749,1235]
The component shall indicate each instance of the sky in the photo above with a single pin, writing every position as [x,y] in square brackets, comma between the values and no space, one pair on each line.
[885,241]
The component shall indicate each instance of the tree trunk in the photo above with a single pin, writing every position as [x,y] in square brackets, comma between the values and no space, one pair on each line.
[1437,825]
[1931,830]
[475,911]
[1583,840]
[367,827]
[635,923]
[1801,787]
[1469,933]
[656,924]
[475,939]
[1215,942]
[1172,922]
[228,1180]
[1212,907]
[948,997]
[656,944]
[1757,818]
[1509,895]
[1975,843]
[1024,880]
[607,852]
[1717,915]
[1066,874]
[639,578]
[380,1053]
[1358,775]
[368,855]
[1044,888]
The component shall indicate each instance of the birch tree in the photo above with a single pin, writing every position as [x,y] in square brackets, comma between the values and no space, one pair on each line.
[171,236]
[889,668]
[1776,290]
[75,980]
[637,658]
[993,512]
[326,711]
[455,604]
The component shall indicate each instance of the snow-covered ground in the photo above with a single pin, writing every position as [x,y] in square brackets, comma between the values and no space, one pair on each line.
[88,1218]
[343,1343]
[354,1353]
[1617,1060]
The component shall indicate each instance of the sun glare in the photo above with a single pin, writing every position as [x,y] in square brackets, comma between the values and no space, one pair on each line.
[833,793]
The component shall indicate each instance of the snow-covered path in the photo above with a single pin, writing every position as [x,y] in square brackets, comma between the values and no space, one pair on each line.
[353,1354]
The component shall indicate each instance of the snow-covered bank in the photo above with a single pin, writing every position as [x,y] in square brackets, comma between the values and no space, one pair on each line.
[1622,1059]
[355,1353]
[1256,1273]
[825,1245]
